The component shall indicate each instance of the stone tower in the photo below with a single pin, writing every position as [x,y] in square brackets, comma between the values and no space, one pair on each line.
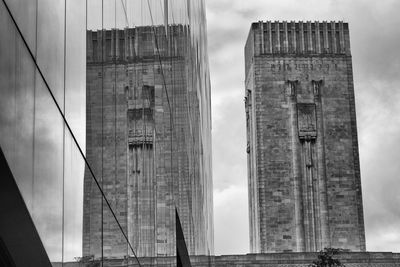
[303,162]
[148,143]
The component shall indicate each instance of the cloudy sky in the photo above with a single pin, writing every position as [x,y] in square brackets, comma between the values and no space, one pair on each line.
[375,38]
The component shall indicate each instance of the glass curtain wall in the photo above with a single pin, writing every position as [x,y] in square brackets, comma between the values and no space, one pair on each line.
[143,116]
[148,127]
[42,69]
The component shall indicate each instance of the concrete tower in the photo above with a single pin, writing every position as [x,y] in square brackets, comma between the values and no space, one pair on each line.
[148,142]
[303,162]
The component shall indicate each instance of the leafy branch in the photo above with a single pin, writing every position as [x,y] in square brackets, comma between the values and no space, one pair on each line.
[325,258]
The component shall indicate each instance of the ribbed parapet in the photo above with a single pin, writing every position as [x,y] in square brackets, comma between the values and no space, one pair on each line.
[132,44]
[300,37]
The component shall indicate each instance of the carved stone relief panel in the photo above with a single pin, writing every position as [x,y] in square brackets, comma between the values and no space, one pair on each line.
[306,120]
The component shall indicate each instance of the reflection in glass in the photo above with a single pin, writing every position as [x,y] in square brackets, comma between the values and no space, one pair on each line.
[16,106]
[147,125]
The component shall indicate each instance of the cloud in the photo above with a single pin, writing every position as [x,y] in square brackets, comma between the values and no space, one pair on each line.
[379,138]
[229,143]
[231,220]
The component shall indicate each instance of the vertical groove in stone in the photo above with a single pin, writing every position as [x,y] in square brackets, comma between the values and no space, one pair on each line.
[311,148]
[308,194]
[100,53]
[333,34]
[347,39]
[317,206]
[171,44]
[341,36]
[317,38]
[262,48]
[326,39]
[112,52]
[133,36]
[309,35]
[126,43]
[136,42]
[322,190]
[269,28]
[286,40]
[305,196]
[97,49]
[294,39]
[297,177]
[301,34]
[278,39]
[117,55]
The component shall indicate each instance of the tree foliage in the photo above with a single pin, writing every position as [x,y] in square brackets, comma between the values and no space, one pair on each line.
[325,258]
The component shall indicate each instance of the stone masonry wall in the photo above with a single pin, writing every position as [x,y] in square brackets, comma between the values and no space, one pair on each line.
[302,139]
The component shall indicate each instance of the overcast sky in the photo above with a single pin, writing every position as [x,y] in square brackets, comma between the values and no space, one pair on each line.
[375,40]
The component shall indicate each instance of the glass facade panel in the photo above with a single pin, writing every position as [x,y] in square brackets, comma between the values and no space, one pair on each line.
[75,68]
[17,105]
[74,166]
[47,184]
[147,122]
[51,58]
[34,134]
[25,14]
